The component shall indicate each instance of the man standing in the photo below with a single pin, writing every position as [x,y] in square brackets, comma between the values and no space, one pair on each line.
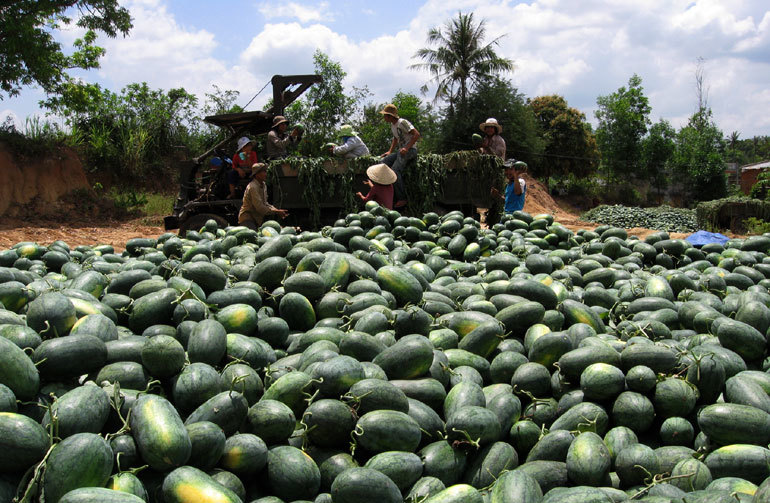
[278,141]
[405,136]
[255,206]
[516,188]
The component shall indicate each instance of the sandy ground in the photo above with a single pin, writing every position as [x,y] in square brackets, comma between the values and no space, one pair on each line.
[75,233]
[79,230]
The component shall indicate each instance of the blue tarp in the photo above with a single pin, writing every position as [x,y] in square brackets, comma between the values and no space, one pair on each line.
[701,238]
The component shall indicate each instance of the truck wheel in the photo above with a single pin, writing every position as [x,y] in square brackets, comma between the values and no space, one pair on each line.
[195,222]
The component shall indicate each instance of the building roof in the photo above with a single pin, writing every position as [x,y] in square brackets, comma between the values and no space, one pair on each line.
[756,165]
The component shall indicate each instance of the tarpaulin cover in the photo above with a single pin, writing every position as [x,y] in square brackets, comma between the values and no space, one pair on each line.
[701,238]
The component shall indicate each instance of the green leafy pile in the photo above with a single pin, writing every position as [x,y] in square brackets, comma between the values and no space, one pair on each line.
[661,218]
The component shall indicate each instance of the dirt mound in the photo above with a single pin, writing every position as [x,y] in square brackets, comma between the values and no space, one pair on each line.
[38,182]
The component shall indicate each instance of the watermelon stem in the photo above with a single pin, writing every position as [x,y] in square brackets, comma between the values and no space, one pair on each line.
[468,440]
[657,479]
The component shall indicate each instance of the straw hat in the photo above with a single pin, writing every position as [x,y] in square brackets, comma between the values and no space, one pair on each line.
[243,141]
[279,119]
[390,109]
[257,167]
[381,173]
[491,122]
[346,130]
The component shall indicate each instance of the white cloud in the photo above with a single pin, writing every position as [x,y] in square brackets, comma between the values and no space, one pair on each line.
[294,10]
[579,50]
[161,52]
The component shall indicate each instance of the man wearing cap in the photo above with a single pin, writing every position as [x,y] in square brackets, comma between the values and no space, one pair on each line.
[493,143]
[352,146]
[405,136]
[516,188]
[243,159]
[278,141]
[255,206]
[380,183]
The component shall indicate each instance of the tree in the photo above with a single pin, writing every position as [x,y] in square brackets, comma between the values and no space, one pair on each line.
[460,60]
[699,158]
[569,143]
[657,150]
[623,120]
[326,106]
[30,55]
[495,97]
[377,135]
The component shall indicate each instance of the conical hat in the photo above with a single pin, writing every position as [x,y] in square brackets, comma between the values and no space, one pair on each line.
[381,173]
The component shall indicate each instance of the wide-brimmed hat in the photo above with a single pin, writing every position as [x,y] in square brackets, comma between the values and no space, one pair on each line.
[491,122]
[390,109]
[279,119]
[381,173]
[243,141]
[257,167]
[346,130]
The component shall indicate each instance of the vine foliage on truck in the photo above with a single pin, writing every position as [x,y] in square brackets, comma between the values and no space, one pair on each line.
[425,179]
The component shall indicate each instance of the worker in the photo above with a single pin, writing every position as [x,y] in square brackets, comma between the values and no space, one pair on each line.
[278,141]
[405,137]
[380,182]
[242,161]
[516,188]
[255,206]
[351,145]
[493,143]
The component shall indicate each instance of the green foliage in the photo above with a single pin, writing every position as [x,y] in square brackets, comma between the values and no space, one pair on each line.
[461,60]
[323,179]
[129,200]
[755,225]
[747,151]
[495,97]
[326,105]
[570,145]
[38,138]
[761,189]
[30,55]
[657,149]
[574,185]
[730,212]
[136,132]
[698,157]
[662,218]
[623,119]
[376,134]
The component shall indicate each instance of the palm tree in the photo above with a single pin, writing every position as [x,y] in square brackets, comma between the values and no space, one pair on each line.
[460,59]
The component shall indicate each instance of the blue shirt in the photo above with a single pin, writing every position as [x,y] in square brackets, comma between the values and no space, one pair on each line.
[514,202]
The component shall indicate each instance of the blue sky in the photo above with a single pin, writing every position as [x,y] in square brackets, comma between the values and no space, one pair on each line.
[578,49]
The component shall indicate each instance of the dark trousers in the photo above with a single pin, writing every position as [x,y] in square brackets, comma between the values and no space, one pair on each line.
[397,162]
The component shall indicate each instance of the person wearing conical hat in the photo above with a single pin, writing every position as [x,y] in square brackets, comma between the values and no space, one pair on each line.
[493,143]
[255,206]
[243,159]
[402,148]
[381,179]
[352,146]
[278,141]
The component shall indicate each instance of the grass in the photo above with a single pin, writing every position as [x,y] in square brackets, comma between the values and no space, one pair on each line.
[157,206]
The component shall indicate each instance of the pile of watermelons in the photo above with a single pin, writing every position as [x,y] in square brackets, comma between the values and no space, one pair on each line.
[386,359]
[662,218]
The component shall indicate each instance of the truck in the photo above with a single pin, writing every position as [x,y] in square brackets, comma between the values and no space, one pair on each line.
[317,191]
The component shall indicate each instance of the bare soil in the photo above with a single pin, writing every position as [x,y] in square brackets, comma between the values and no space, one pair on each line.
[67,221]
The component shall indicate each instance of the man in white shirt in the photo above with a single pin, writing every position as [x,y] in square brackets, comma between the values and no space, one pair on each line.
[405,136]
